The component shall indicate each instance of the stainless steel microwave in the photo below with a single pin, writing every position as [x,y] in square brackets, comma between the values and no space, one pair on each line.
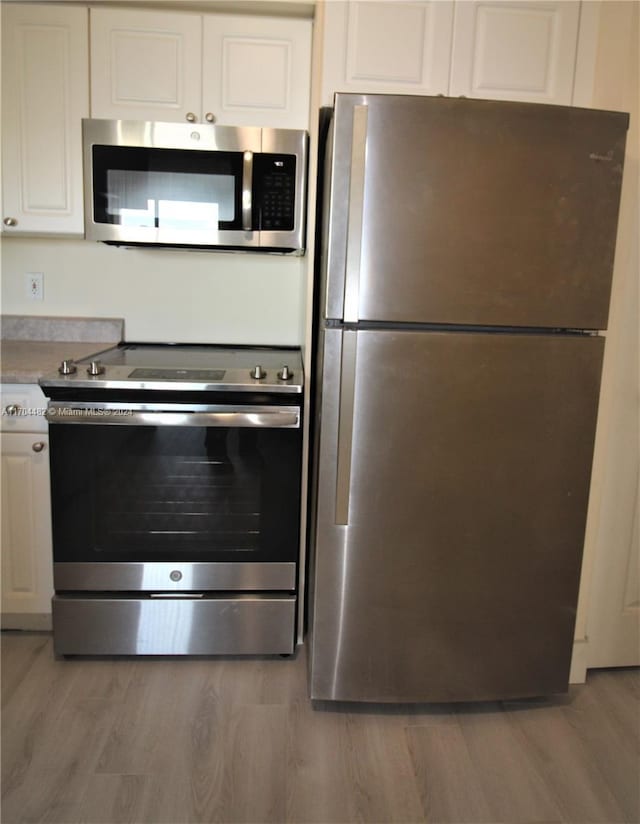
[195,185]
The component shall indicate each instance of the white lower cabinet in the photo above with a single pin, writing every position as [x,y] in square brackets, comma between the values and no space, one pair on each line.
[45,95]
[27,570]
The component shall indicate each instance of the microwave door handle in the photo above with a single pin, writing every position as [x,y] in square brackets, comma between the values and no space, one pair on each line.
[247,181]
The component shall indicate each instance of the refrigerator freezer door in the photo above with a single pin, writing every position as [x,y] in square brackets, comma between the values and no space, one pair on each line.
[452,497]
[472,212]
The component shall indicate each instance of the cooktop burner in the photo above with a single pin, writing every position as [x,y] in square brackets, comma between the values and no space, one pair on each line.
[184,367]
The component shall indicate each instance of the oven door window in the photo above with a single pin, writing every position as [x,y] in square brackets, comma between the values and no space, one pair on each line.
[165,493]
[167,188]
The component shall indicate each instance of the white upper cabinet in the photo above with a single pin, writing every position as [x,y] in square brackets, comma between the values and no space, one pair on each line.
[45,95]
[497,49]
[393,47]
[225,69]
[257,70]
[515,50]
[145,65]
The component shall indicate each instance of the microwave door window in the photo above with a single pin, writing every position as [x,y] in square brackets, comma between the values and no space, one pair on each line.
[166,189]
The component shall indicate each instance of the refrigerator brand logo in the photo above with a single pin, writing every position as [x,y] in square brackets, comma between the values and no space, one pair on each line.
[598,157]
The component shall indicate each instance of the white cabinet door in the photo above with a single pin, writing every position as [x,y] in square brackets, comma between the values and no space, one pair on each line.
[257,71]
[45,95]
[145,65]
[394,47]
[515,50]
[27,581]
[227,69]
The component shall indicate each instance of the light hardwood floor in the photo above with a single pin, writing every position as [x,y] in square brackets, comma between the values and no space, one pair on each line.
[237,740]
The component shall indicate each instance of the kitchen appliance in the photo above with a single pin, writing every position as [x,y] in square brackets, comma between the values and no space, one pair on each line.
[467,252]
[175,478]
[195,185]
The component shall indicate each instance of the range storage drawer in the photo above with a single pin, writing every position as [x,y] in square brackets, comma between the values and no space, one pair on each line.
[210,625]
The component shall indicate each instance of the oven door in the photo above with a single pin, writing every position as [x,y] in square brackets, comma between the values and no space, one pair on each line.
[174,496]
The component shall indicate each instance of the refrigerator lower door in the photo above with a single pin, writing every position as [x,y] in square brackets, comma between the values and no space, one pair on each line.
[452,493]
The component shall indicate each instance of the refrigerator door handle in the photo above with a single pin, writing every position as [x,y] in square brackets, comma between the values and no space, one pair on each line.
[355,214]
[345,426]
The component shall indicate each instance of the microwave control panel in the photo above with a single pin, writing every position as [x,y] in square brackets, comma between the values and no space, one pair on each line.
[274,200]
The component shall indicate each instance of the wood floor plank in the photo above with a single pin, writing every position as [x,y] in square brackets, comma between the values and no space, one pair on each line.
[19,652]
[350,766]
[114,799]
[319,788]
[613,749]
[514,789]
[448,782]
[566,765]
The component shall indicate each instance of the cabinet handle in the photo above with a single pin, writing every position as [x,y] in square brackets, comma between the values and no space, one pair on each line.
[38,446]
[210,117]
[12,409]
[10,221]
[191,117]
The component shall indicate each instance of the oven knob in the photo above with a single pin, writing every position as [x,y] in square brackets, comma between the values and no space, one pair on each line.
[67,367]
[175,575]
[285,374]
[95,368]
[258,373]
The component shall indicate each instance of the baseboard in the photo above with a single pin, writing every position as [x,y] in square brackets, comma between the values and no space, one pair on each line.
[26,620]
[578,672]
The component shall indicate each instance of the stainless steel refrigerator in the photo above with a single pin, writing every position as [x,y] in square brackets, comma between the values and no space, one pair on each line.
[467,253]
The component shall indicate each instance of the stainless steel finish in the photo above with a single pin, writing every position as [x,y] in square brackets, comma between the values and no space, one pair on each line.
[289,141]
[38,446]
[185,595]
[455,442]
[487,212]
[13,409]
[145,414]
[235,365]
[95,368]
[242,625]
[67,367]
[210,117]
[345,425]
[10,221]
[258,373]
[158,577]
[191,118]
[456,577]
[354,219]
[247,178]
[210,138]
[285,374]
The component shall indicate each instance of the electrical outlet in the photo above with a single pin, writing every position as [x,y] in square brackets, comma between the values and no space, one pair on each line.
[35,285]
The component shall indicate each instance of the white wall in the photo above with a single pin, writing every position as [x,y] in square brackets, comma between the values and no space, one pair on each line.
[163,294]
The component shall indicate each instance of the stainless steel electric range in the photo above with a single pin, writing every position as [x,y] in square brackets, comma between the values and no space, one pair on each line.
[175,485]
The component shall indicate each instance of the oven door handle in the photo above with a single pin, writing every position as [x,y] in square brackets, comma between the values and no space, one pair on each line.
[283,417]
